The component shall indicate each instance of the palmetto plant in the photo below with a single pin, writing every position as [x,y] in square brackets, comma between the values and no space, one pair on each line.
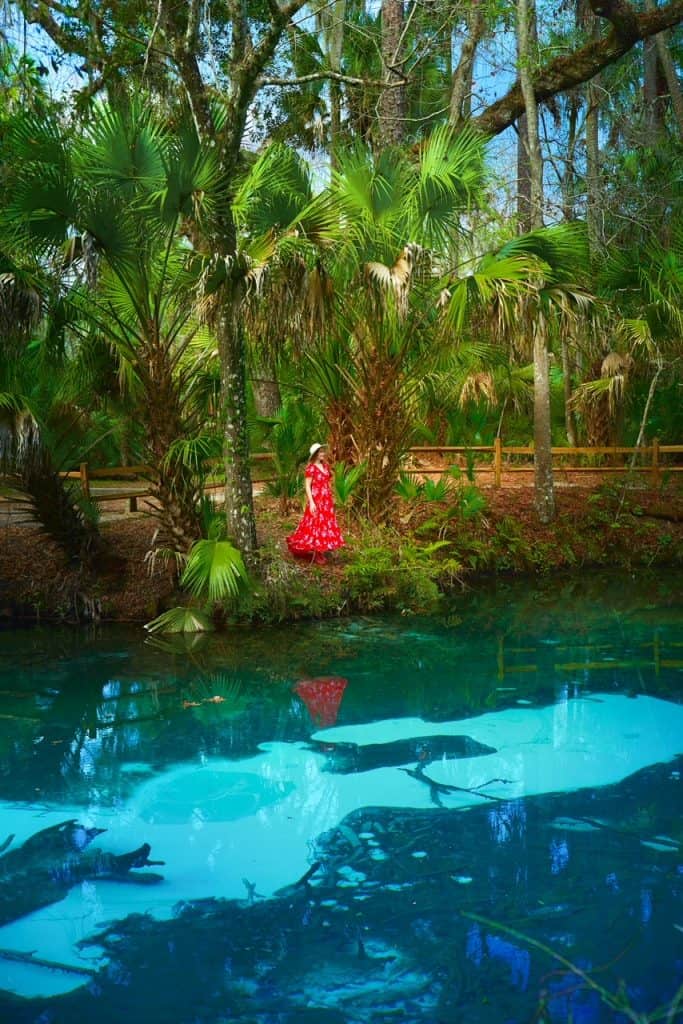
[345,481]
[120,190]
[30,471]
[647,337]
[213,573]
[289,440]
[399,214]
[42,417]
[527,293]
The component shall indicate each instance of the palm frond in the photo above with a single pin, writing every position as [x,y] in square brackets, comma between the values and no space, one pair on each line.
[124,149]
[180,620]
[449,179]
[214,570]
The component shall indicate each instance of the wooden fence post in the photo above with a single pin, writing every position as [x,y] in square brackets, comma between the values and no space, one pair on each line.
[655,461]
[85,480]
[497,461]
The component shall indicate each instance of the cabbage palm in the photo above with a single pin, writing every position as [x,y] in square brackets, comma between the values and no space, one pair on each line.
[400,216]
[38,412]
[527,292]
[120,190]
[647,338]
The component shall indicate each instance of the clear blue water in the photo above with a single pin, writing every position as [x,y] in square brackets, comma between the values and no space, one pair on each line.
[468,818]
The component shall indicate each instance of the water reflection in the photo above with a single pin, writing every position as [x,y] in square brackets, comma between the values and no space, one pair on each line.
[498,764]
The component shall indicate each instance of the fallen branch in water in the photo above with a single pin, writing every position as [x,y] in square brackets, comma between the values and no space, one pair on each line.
[437,788]
[29,958]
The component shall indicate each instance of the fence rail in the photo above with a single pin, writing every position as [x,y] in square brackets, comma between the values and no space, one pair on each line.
[492,459]
[652,454]
[592,659]
[497,464]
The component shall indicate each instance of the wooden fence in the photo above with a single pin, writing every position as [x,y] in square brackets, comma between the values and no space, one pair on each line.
[594,657]
[499,458]
[116,483]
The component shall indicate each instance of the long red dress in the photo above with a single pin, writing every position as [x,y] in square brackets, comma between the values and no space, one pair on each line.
[317,533]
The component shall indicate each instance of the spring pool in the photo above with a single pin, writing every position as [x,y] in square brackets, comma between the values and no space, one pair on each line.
[473,817]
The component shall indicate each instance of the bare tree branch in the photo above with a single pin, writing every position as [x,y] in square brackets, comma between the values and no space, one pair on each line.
[334,76]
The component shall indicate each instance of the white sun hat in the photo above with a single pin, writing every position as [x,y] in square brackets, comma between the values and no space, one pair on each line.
[314,448]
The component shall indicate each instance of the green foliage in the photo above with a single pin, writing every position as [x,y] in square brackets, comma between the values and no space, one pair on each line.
[436,490]
[392,573]
[181,620]
[289,440]
[408,487]
[214,571]
[471,502]
[345,482]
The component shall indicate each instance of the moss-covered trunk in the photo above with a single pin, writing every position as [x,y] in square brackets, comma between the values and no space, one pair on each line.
[239,500]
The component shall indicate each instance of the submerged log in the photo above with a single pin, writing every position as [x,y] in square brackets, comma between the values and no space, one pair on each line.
[29,958]
[49,863]
[346,758]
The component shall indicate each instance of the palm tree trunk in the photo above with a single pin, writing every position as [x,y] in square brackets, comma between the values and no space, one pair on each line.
[175,486]
[239,499]
[544,490]
[570,422]
[392,102]
[266,387]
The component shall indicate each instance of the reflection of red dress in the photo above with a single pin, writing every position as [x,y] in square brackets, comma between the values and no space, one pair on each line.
[322,696]
[320,532]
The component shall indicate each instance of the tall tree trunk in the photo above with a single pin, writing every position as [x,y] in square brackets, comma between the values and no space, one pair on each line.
[654,89]
[526,55]
[267,397]
[569,419]
[544,488]
[392,102]
[593,219]
[524,215]
[334,32]
[668,70]
[239,498]
[461,84]
[568,183]
[672,80]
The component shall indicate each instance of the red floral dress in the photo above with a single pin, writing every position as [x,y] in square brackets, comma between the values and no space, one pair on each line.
[317,533]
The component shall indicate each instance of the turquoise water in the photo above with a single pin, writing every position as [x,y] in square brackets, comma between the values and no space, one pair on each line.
[364,820]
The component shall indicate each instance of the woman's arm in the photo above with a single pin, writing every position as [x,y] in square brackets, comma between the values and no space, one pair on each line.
[309,495]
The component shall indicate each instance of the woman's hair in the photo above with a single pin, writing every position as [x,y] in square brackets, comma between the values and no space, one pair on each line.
[314,455]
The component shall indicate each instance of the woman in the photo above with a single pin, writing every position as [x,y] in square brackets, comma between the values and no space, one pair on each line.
[318,530]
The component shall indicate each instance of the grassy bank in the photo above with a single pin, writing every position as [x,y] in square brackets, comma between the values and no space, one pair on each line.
[428,550]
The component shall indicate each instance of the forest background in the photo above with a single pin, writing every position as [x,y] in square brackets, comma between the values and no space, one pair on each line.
[231,227]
